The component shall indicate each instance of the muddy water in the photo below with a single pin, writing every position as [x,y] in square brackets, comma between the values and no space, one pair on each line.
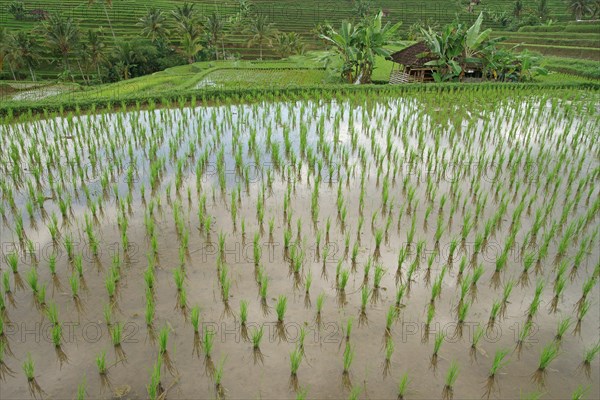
[185,135]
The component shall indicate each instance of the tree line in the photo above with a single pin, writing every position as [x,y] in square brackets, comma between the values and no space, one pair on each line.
[165,39]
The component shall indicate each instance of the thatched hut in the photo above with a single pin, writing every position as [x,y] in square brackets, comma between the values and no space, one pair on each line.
[411,64]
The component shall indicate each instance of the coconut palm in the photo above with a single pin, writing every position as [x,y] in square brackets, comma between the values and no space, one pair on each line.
[154,25]
[62,37]
[104,4]
[24,51]
[190,47]
[261,32]
[3,45]
[580,7]
[214,26]
[288,43]
[518,8]
[95,51]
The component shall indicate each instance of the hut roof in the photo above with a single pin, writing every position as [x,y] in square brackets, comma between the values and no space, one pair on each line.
[414,56]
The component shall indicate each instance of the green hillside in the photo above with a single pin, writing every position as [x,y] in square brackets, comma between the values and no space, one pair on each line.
[288,15]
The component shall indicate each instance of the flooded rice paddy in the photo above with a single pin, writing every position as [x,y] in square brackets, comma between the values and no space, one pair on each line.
[416,247]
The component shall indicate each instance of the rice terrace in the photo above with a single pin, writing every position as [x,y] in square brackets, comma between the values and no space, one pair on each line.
[300,200]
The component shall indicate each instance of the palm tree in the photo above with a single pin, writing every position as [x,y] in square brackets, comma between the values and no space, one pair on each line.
[130,54]
[579,8]
[62,37]
[288,44]
[190,46]
[186,21]
[154,25]
[215,27]
[96,51]
[24,50]
[3,45]
[517,8]
[261,32]
[104,4]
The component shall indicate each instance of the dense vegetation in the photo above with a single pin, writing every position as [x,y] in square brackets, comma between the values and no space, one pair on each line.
[41,40]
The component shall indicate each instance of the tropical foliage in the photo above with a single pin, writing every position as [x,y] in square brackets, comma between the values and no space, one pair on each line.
[358,44]
[457,49]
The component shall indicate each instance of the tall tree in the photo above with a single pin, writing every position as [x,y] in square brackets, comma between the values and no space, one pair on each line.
[261,32]
[288,43]
[3,45]
[62,36]
[542,10]
[580,7]
[214,26]
[190,47]
[104,4]
[154,25]
[96,53]
[28,50]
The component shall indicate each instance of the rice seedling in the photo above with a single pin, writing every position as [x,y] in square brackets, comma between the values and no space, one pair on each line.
[244,319]
[12,259]
[116,334]
[497,364]
[320,302]
[347,362]
[378,240]
[508,287]
[103,371]
[548,354]
[451,376]
[558,290]
[493,315]
[74,281]
[403,386]
[588,357]
[295,360]
[29,369]
[463,312]
[389,321]
[439,339]
[5,370]
[57,341]
[580,392]
[389,351]
[155,388]
[587,287]
[581,312]
[563,326]
[264,283]
[218,375]
[477,335]
[163,339]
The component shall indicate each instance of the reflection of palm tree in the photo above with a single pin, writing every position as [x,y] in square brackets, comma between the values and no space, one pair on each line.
[579,8]
[153,25]
[62,36]
[261,32]
[104,4]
